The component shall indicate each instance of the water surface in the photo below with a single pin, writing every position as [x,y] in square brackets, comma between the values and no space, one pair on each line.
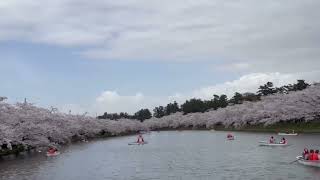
[184,155]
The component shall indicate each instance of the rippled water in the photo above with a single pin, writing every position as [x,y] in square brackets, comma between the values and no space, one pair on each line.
[169,155]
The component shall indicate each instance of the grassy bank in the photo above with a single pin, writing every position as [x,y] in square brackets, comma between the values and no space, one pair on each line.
[301,127]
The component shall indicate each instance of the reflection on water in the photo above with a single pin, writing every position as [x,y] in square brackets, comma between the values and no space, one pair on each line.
[169,155]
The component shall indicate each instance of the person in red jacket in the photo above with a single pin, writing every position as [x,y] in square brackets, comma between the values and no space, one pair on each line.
[311,155]
[316,155]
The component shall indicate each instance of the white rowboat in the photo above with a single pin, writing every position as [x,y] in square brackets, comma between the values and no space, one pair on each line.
[307,162]
[136,143]
[272,144]
[53,154]
[287,134]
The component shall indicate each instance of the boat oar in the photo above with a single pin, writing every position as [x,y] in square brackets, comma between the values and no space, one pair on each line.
[295,160]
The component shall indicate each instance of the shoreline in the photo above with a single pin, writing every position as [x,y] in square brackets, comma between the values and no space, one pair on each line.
[300,127]
[21,150]
[312,127]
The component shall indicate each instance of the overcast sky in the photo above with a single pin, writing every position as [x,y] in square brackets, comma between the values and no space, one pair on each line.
[125,55]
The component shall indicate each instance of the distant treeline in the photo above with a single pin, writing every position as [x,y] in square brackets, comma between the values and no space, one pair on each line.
[198,105]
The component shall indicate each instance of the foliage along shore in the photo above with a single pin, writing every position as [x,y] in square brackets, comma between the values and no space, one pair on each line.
[300,127]
[25,127]
[20,148]
[296,107]
[218,101]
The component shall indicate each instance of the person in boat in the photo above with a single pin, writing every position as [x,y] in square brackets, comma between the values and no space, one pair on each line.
[52,150]
[283,141]
[272,140]
[314,155]
[229,136]
[311,155]
[140,139]
[318,155]
[305,154]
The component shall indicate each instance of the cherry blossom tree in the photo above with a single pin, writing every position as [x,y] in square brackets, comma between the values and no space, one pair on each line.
[32,126]
[296,105]
[35,127]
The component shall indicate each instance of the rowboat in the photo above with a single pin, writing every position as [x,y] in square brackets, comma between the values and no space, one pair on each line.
[53,154]
[287,134]
[137,143]
[315,163]
[262,143]
[230,136]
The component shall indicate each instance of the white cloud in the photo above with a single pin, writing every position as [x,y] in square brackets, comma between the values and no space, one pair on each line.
[246,83]
[238,66]
[111,101]
[254,37]
[268,36]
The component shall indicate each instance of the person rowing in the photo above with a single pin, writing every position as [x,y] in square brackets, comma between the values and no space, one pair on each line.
[140,139]
[272,140]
